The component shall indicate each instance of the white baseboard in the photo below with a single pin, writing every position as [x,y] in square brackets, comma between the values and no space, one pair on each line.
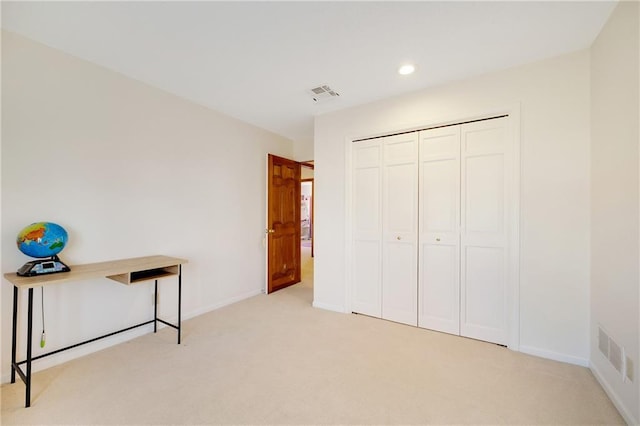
[543,353]
[99,345]
[222,304]
[624,412]
[328,307]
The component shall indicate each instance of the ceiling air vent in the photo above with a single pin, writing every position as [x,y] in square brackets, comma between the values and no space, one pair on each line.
[323,93]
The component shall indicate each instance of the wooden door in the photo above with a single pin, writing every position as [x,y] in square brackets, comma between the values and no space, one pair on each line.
[485,212]
[439,249]
[283,232]
[400,228]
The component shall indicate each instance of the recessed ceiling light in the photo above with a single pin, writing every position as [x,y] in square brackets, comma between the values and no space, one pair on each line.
[406,69]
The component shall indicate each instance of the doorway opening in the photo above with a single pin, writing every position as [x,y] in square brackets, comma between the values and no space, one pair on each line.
[306,221]
[306,214]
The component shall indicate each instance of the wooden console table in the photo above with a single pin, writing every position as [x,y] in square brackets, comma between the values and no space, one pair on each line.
[125,271]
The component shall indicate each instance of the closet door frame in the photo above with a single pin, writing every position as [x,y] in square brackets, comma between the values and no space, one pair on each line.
[513,131]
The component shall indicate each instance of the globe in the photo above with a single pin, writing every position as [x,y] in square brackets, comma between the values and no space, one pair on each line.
[42,239]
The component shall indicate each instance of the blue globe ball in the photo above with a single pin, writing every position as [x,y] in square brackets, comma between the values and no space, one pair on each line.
[42,239]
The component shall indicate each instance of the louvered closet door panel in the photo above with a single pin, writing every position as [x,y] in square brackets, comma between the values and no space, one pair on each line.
[439,244]
[484,257]
[367,228]
[399,229]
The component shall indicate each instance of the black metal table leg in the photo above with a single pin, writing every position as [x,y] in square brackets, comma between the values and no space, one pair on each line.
[179,301]
[155,308]
[14,334]
[29,339]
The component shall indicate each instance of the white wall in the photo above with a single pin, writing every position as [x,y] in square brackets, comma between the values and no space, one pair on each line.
[303,151]
[128,170]
[615,200]
[554,242]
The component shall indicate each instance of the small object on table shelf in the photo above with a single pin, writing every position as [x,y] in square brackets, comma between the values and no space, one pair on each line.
[43,240]
[42,267]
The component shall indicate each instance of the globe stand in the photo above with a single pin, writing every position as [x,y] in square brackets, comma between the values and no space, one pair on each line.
[49,265]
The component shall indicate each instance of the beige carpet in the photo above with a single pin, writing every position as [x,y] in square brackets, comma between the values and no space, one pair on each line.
[276,360]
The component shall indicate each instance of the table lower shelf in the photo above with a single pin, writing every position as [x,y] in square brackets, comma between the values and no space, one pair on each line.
[135,277]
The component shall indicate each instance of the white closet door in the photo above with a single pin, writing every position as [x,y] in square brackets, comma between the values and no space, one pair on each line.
[439,244]
[400,228]
[484,209]
[367,223]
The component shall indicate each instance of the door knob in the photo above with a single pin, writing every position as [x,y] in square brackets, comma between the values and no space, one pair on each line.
[437,239]
[398,238]
[270,231]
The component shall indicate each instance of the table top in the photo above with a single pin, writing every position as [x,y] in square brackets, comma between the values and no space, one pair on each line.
[95,270]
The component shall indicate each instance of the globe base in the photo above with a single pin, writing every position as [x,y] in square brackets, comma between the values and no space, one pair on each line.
[51,265]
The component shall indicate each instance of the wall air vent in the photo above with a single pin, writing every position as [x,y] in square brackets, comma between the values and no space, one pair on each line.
[616,355]
[603,342]
[323,93]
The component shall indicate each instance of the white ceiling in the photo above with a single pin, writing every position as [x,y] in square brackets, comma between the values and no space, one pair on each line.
[256,60]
